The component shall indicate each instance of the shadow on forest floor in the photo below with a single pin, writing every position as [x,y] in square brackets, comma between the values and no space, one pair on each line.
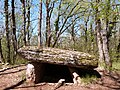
[105,82]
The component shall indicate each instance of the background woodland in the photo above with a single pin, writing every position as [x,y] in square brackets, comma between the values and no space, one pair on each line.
[91,26]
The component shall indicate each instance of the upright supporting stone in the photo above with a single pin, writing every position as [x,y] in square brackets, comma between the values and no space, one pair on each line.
[76,77]
[30,73]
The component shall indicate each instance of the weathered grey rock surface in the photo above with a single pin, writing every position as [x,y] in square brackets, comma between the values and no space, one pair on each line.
[59,56]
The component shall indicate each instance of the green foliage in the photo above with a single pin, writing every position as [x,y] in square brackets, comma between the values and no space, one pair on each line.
[85,9]
[4,48]
[0,65]
[23,75]
[20,60]
[101,65]
[88,79]
[116,65]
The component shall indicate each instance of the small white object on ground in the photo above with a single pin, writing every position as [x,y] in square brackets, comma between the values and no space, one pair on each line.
[59,84]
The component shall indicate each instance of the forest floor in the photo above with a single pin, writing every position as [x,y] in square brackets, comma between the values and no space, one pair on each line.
[14,79]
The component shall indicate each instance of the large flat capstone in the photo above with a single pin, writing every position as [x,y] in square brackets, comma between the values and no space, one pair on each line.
[59,56]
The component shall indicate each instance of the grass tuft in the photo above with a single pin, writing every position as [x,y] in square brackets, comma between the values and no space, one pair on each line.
[116,65]
[88,79]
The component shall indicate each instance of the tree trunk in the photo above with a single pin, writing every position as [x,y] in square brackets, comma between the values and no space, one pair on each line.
[106,36]
[105,48]
[28,23]
[99,42]
[118,47]
[48,30]
[108,30]
[73,35]
[56,26]
[118,51]
[61,30]
[24,20]
[7,31]
[39,28]
[92,39]
[1,54]
[86,38]
[14,31]
[56,29]
[98,30]
[86,32]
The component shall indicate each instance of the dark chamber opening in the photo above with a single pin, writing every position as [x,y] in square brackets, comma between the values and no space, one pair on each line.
[53,73]
[88,72]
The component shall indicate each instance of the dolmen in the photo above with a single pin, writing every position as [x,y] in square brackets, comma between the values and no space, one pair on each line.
[41,58]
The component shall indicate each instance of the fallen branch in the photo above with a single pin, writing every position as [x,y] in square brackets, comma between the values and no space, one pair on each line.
[8,68]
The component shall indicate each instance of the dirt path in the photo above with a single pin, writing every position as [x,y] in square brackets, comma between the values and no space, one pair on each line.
[13,78]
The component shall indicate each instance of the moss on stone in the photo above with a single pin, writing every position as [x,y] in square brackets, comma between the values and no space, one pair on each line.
[54,55]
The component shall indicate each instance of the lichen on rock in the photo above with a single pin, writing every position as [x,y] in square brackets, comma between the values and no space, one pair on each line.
[59,56]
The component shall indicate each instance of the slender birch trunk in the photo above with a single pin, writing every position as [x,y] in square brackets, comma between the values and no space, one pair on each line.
[105,45]
[99,39]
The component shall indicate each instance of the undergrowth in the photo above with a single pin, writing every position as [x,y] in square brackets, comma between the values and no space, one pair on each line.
[116,66]
[87,79]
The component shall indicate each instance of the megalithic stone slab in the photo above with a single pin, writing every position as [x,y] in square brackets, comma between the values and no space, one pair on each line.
[59,56]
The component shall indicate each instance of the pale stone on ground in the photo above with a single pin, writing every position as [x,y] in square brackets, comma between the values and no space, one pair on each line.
[76,77]
[59,84]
